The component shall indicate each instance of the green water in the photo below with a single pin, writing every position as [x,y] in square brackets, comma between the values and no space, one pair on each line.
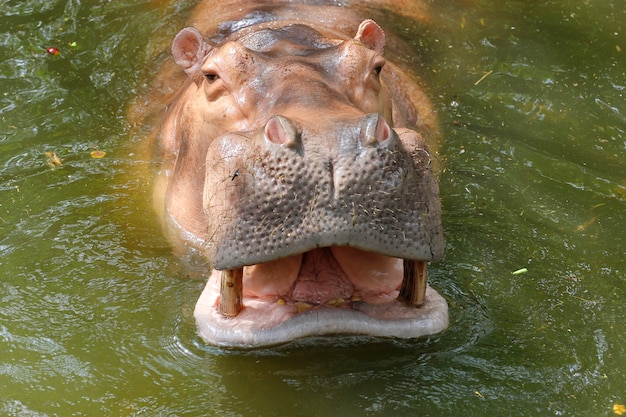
[96,313]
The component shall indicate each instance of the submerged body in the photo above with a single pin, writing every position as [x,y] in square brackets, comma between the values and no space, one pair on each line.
[297,158]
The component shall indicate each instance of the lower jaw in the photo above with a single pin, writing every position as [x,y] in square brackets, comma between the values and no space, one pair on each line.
[264,323]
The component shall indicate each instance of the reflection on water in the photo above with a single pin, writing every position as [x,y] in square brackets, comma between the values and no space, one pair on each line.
[96,313]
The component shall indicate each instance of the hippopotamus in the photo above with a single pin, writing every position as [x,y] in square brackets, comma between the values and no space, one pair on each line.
[300,161]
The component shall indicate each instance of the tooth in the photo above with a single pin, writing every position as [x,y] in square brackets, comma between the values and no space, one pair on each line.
[413,289]
[336,302]
[231,292]
[303,306]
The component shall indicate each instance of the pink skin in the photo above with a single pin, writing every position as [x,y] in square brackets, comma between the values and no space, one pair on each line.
[271,280]
[226,92]
[240,104]
[324,275]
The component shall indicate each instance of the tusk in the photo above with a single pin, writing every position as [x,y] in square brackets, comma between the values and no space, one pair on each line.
[413,289]
[231,292]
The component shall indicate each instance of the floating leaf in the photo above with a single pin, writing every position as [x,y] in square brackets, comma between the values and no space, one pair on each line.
[97,154]
[519,271]
[53,51]
[53,160]
[619,409]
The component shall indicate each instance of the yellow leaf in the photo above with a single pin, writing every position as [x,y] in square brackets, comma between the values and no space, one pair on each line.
[619,409]
[97,154]
[53,160]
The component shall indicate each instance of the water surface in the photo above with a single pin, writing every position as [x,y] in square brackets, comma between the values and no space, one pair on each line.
[96,312]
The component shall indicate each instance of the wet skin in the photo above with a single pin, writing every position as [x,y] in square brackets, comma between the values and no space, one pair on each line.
[296,157]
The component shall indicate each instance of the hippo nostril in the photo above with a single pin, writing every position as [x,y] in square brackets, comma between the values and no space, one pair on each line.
[383,131]
[281,131]
[375,130]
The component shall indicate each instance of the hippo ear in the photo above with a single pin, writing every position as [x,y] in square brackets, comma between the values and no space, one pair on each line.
[371,35]
[189,50]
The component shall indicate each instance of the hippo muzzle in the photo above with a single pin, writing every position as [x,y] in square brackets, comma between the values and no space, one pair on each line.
[317,216]
[279,193]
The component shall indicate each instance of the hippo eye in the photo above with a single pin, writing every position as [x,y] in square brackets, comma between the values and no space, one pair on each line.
[211,77]
[378,68]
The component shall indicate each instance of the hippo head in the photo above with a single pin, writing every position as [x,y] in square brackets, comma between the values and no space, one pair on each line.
[317,214]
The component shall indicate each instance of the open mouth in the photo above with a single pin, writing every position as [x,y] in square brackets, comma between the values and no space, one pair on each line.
[333,290]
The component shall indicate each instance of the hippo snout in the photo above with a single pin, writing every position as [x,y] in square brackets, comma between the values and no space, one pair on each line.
[312,217]
[353,185]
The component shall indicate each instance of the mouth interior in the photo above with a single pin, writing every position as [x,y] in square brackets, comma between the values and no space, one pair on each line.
[334,290]
[323,278]
[335,276]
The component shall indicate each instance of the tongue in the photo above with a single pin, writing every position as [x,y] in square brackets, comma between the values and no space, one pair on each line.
[321,279]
